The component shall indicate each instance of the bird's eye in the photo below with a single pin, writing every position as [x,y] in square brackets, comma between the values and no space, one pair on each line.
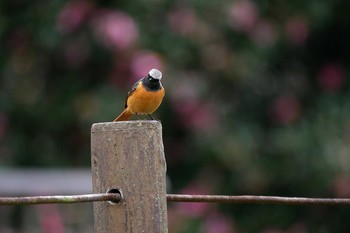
[149,78]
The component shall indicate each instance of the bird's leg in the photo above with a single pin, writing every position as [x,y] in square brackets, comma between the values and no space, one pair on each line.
[150,116]
[137,115]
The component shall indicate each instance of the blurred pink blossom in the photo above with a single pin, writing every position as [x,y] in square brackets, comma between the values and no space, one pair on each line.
[115,30]
[297,228]
[297,30]
[243,15]
[286,109]
[194,209]
[272,230]
[217,222]
[331,77]
[188,87]
[120,75]
[182,20]
[342,186]
[50,219]
[143,61]
[73,15]
[264,34]
[196,115]
[3,125]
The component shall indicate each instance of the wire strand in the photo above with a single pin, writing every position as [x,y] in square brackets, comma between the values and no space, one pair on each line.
[60,199]
[116,197]
[249,199]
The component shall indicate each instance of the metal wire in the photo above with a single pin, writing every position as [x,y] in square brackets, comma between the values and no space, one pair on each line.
[257,199]
[61,199]
[116,197]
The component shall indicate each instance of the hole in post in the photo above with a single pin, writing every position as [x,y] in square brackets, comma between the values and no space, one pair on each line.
[115,190]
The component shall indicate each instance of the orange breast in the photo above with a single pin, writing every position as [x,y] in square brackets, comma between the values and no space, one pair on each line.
[142,101]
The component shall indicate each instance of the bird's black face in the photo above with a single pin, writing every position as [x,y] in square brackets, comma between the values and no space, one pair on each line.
[151,84]
[151,79]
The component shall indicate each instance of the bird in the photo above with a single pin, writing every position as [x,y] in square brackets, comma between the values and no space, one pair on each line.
[145,96]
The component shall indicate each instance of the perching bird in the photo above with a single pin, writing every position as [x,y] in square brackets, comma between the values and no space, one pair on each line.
[144,97]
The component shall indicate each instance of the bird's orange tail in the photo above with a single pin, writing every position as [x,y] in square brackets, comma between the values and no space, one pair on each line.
[124,116]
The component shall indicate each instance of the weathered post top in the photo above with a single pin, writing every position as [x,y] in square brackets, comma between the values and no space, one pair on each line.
[126,125]
[129,156]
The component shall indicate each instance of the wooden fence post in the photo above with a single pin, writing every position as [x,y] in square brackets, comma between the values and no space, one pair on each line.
[129,156]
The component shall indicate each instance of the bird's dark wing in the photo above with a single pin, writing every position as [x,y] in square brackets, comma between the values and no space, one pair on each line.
[133,88]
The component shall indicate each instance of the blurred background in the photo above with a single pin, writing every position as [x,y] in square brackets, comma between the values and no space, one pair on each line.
[257,102]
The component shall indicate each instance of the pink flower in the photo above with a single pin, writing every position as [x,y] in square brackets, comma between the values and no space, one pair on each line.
[196,115]
[115,30]
[217,222]
[192,113]
[297,228]
[73,15]
[193,209]
[182,20]
[50,219]
[272,230]
[342,186]
[297,30]
[120,75]
[331,77]
[286,109]
[3,125]
[243,15]
[143,61]
[264,34]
